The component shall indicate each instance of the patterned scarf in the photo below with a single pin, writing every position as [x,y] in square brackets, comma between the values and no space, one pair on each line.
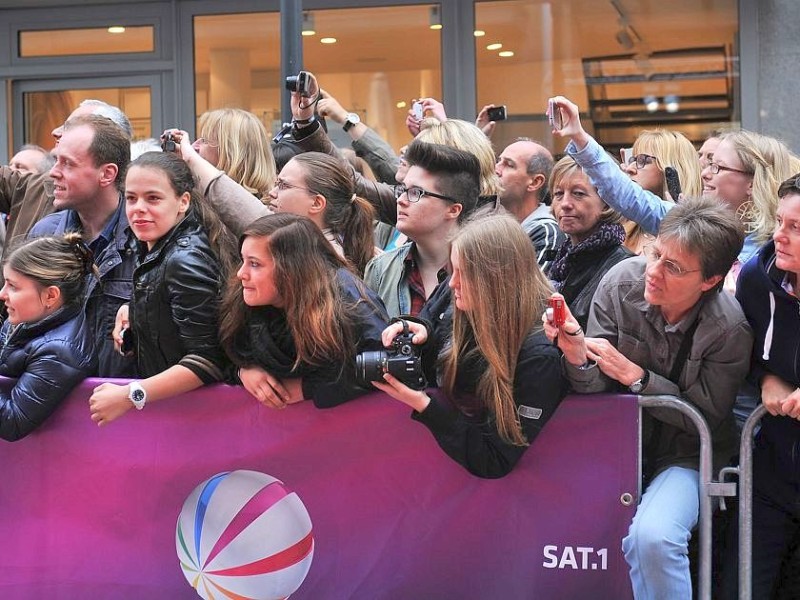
[607,235]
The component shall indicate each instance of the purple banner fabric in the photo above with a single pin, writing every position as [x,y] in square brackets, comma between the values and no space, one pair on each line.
[91,512]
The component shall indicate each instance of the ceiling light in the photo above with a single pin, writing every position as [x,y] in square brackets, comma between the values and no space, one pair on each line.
[328,40]
[505,53]
[671,103]
[479,33]
[116,29]
[435,18]
[495,46]
[308,24]
[651,103]
[401,104]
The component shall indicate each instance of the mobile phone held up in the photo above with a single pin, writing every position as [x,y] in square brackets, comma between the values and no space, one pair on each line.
[417,110]
[554,116]
[673,183]
[498,113]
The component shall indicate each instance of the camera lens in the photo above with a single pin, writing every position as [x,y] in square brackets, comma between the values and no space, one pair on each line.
[370,366]
[291,83]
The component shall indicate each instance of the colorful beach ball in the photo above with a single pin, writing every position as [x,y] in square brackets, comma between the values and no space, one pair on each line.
[243,535]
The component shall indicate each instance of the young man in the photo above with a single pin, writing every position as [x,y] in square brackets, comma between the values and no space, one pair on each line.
[659,326]
[524,168]
[439,190]
[91,160]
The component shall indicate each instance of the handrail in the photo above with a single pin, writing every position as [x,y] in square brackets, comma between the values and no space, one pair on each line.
[706,483]
[746,504]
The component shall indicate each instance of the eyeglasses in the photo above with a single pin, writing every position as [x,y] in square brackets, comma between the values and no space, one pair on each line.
[642,160]
[207,142]
[653,255]
[414,193]
[284,185]
[715,168]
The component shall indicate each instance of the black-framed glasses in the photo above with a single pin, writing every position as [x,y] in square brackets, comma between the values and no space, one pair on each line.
[653,255]
[716,168]
[642,160]
[285,185]
[414,193]
[207,142]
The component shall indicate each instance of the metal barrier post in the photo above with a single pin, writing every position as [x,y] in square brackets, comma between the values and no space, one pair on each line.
[746,504]
[707,486]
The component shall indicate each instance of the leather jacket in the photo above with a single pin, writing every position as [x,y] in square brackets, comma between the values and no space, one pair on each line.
[173,311]
[48,358]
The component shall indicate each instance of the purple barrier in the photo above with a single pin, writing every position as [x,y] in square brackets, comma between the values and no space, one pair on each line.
[91,512]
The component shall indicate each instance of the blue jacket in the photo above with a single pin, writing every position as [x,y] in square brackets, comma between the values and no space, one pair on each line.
[115,263]
[48,358]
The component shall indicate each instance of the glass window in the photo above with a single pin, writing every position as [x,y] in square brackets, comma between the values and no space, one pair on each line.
[99,40]
[44,111]
[628,65]
[237,64]
[380,60]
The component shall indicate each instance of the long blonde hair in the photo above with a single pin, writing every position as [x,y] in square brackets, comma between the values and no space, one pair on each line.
[672,149]
[508,293]
[245,151]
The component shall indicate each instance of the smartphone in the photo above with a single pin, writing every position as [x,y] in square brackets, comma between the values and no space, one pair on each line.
[127,341]
[559,315]
[673,183]
[417,110]
[498,113]
[554,116]
[626,154]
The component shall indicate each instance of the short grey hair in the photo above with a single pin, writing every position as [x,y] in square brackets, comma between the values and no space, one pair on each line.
[104,109]
[707,228]
[540,163]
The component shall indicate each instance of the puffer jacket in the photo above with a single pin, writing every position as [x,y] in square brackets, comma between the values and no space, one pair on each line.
[173,311]
[48,359]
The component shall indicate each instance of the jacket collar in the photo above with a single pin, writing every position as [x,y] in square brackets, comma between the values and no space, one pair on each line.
[26,331]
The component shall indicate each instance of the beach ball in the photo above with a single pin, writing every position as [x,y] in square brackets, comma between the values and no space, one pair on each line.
[243,534]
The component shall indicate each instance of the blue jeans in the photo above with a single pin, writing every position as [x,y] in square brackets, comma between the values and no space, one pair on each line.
[657,543]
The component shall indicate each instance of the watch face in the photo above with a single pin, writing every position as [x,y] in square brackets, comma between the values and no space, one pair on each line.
[137,395]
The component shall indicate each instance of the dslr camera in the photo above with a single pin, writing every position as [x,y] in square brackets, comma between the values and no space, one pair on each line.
[403,361]
[300,83]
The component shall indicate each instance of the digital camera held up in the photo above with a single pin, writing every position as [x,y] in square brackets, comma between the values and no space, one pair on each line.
[300,83]
[403,361]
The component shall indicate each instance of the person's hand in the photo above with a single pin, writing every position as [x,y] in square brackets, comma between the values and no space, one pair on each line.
[303,106]
[569,335]
[416,399]
[392,331]
[264,387]
[412,123]
[778,397]
[570,117]
[482,121]
[120,322]
[612,362]
[183,143]
[330,108]
[433,108]
[109,402]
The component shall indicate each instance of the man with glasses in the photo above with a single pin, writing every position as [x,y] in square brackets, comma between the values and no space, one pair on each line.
[659,327]
[439,190]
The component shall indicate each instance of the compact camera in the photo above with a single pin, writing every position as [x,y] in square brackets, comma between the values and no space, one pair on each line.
[300,83]
[169,144]
[402,361]
[556,312]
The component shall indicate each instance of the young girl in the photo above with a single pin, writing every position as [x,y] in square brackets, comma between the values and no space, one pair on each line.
[296,317]
[500,379]
[43,343]
[173,311]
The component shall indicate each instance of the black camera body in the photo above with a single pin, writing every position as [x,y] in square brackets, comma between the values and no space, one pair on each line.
[169,144]
[300,83]
[403,361]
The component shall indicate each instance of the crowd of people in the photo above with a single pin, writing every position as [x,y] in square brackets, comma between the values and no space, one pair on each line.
[274,264]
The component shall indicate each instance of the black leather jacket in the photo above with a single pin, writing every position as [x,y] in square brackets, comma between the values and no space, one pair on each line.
[173,311]
[48,358]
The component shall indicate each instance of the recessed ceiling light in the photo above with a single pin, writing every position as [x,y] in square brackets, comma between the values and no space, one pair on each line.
[479,33]
[505,53]
[328,40]
[401,104]
[495,46]
[116,29]
[308,32]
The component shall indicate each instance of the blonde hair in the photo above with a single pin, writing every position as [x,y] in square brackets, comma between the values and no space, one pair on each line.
[770,162]
[245,151]
[509,293]
[672,149]
[567,167]
[469,138]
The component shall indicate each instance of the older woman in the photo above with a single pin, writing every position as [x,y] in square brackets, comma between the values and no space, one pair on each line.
[595,237]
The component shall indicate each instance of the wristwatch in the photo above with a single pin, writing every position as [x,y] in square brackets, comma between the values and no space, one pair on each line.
[137,395]
[350,120]
[638,385]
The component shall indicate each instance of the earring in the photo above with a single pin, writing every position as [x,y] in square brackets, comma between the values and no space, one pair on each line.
[746,213]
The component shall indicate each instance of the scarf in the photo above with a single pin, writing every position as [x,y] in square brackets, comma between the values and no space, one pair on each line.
[607,235]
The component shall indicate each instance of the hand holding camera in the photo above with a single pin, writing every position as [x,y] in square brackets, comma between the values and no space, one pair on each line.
[556,320]
[402,359]
[305,95]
